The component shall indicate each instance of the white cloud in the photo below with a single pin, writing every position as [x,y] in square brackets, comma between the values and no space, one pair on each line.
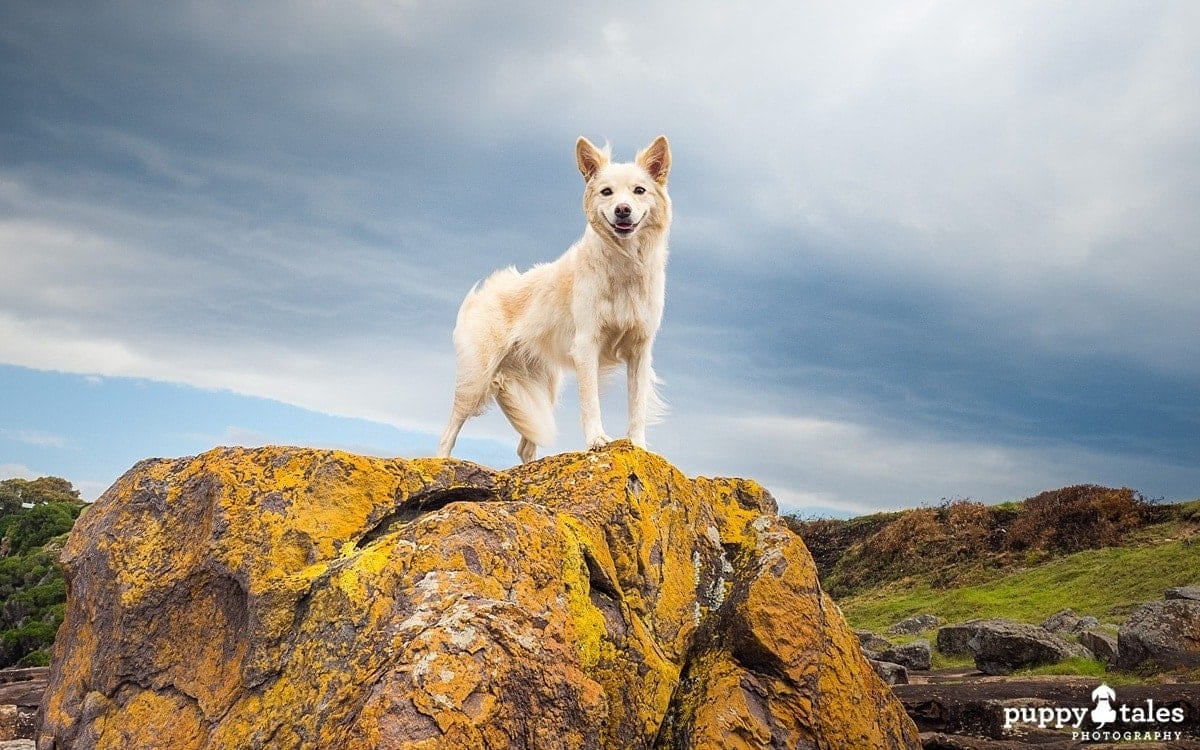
[17,471]
[857,468]
[35,438]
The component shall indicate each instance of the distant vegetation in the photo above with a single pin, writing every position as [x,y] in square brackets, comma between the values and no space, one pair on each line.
[1097,550]
[35,516]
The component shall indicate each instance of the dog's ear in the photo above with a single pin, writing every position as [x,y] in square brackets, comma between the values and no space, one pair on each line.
[656,159]
[589,158]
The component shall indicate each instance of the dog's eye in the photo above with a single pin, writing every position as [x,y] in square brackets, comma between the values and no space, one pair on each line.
[639,190]
[606,191]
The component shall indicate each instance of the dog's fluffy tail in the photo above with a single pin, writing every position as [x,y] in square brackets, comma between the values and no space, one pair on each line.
[656,406]
[529,406]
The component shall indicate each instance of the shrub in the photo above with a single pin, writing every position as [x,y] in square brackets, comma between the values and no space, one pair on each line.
[1076,518]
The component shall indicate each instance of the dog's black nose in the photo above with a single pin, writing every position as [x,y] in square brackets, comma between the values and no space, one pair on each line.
[622,211]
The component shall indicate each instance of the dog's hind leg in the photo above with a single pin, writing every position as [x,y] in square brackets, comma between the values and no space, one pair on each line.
[526,450]
[450,434]
[472,391]
[459,414]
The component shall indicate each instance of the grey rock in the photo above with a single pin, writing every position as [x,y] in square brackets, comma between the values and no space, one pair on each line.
[952,639]
[916,655]
[1085,624]
[1102,645]
[1183,592]
[914,625]
[872,645]
[1063,621]
[891,674]
[1002,646]
[1161,635]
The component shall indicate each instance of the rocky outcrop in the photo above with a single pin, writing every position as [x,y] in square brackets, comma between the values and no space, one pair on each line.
[1002,646]
[290,598]
[1161,635]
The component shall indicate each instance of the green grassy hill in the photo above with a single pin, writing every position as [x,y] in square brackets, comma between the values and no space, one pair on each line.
[1095,550]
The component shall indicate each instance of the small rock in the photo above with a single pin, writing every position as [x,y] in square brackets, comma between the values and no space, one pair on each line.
[872,644]
[1062,621]
[890,673]
[1103,645]
[914,625]
[1164,634]
[916,655]
[1183,592]
[1085,624]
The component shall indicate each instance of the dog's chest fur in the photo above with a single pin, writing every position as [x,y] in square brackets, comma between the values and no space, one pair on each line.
[626,299]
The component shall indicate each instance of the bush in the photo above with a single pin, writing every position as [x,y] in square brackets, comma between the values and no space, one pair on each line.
[37,525]
[1076,518]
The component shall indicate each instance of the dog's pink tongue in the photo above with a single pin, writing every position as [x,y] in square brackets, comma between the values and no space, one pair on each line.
[625,225]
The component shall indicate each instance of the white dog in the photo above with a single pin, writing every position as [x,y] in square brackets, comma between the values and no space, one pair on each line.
[597,306]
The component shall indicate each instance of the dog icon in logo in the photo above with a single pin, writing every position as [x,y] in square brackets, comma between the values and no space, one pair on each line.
[1103,713]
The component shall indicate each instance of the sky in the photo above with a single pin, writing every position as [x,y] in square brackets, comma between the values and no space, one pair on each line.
[921,251]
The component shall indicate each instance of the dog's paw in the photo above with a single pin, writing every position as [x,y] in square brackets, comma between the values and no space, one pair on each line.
[598,442]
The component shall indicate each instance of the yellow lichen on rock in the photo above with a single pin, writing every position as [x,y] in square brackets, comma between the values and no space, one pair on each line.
[293,598]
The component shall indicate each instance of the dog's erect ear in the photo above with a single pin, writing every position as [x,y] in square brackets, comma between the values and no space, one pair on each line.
[656,159]
[589,158]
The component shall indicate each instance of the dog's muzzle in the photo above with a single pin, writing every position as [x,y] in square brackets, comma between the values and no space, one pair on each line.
[622,222]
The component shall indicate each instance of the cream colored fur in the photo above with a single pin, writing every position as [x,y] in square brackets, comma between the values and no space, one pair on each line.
[597,306]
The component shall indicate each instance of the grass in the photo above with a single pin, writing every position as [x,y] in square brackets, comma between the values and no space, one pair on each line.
[1105,583]
[1081,667]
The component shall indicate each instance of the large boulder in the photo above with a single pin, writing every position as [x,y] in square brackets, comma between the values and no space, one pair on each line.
[953,640]
[292,598]
[1003,646]
[1161,635]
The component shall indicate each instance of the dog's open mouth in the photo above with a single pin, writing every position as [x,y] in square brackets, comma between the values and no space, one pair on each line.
[623,228]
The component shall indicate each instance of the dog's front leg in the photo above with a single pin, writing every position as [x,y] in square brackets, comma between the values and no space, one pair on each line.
[586,355]
[640,381]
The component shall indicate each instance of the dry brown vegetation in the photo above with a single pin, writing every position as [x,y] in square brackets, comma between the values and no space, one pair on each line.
[964,541]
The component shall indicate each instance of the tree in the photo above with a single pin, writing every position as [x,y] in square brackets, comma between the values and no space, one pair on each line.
[32,589]
[17,493]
